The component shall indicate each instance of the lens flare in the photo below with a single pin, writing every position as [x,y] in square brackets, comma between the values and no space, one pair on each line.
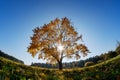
[60,47]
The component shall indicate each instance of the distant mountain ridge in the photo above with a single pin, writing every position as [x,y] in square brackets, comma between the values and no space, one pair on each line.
[4,55]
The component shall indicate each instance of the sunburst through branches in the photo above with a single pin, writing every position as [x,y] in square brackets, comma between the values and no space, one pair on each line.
[57,40]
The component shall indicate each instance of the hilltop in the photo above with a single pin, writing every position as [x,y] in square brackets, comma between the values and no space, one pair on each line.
[4,55]
[109,69]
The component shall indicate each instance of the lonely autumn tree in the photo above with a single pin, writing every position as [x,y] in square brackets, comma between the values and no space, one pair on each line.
[57,40]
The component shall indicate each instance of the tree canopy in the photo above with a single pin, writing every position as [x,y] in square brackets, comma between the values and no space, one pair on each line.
[56,40]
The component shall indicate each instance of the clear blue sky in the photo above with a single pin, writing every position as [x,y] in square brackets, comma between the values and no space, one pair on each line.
[97,20]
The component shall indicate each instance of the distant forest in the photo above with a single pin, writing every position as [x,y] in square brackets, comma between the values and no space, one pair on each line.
[4,55]
[90,61]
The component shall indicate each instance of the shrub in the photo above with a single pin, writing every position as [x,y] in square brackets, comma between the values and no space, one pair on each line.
[99,61]
[88,63]
[118,48]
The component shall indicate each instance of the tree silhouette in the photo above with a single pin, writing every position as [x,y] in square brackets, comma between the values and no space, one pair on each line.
[57,40]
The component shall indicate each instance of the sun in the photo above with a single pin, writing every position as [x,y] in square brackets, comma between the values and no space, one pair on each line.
[60,47]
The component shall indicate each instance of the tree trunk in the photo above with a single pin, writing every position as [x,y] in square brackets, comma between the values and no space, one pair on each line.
[60,65]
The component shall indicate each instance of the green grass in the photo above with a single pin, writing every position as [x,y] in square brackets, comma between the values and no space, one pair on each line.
[107,70]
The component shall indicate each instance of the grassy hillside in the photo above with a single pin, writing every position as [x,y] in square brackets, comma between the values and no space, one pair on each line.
[4,55]
[108,70]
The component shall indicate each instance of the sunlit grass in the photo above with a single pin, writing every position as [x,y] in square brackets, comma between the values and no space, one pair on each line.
[106,69]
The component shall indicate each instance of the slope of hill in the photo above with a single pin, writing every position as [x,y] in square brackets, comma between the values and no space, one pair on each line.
[2,54]
[108,70]
[81,63]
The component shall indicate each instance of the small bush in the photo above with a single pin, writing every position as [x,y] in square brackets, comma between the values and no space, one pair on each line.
[88,63]
[99,61]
